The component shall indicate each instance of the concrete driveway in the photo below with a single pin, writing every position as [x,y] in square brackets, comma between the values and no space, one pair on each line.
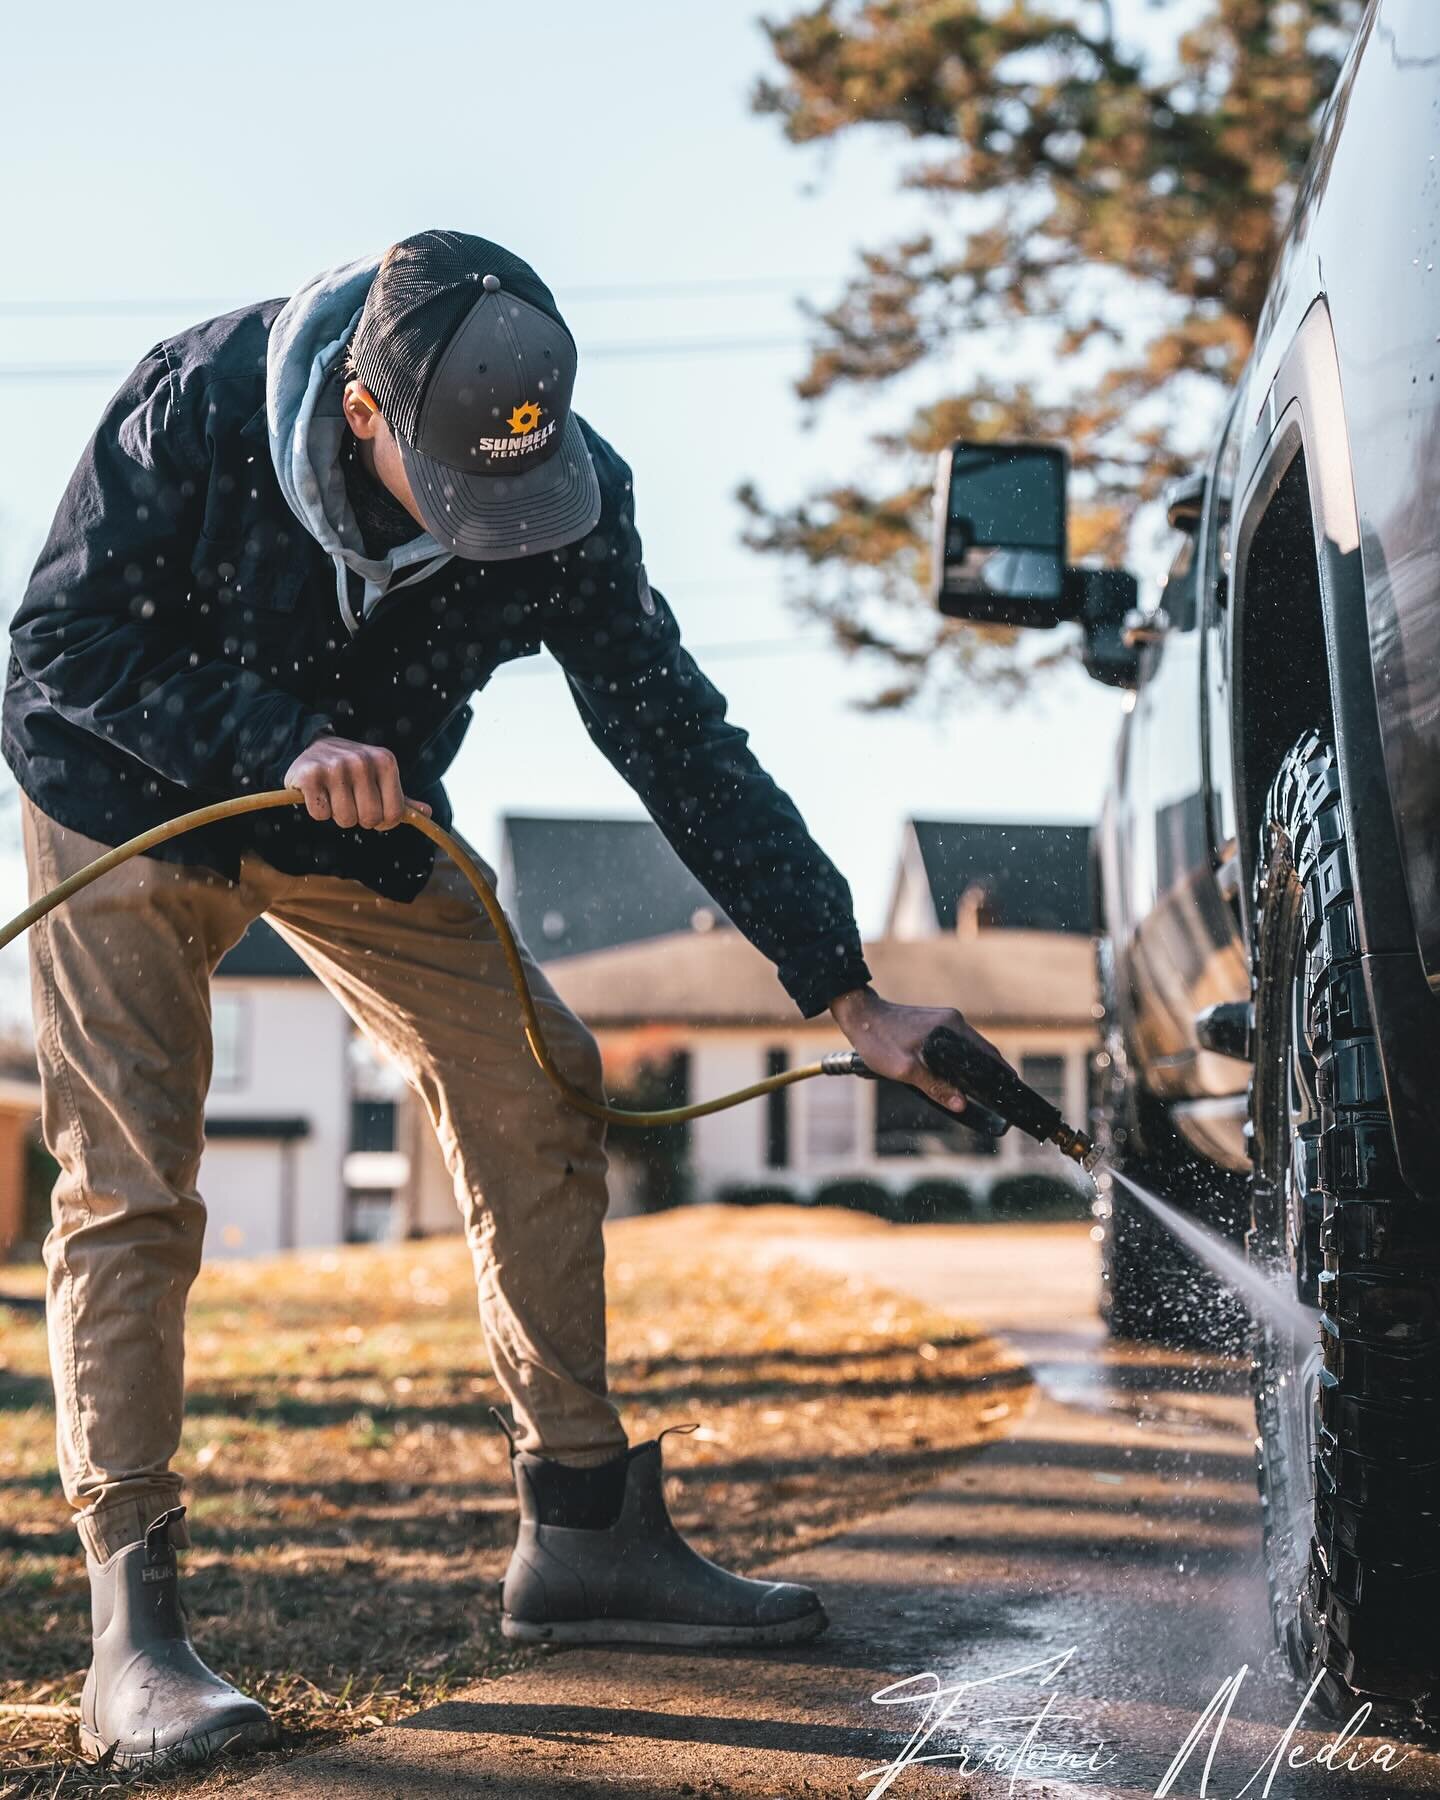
[1083,1587]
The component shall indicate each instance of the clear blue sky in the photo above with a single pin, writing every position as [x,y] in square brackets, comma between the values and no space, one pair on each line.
[179,155]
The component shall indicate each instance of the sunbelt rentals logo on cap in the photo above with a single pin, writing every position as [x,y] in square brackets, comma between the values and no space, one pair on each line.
[527,434]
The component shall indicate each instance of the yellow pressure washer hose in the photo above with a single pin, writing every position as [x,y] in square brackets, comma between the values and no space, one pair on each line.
[957,1060]
[475,875]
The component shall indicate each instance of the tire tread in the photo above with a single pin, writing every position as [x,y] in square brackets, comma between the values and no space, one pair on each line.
[1368,1605]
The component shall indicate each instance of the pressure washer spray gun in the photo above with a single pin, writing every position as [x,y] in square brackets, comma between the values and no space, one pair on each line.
[997,1097]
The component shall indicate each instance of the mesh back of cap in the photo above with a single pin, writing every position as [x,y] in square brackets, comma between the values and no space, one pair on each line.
[425,287]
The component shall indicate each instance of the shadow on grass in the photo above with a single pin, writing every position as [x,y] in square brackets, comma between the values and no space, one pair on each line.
[18,1393]
[627,1382]
[631,1368]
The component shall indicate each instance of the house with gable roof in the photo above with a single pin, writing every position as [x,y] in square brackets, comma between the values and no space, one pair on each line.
[992,919]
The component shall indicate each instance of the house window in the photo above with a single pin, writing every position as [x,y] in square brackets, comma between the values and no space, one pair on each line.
[830,1132]
[1097,1081]
[371,1216]
[777,1113]
[906,1124]
[229,1032]
[372,1124]
[1046,1074]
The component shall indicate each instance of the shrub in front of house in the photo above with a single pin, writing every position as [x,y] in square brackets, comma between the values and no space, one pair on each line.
[1037,1197]
[757,1193]
[40,1170]
[656,1158]
[859,1195]
[935,1197]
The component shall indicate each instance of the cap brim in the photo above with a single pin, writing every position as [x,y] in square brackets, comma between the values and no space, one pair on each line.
[490,518]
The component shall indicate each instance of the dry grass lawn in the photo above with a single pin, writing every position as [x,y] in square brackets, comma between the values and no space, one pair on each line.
[349,1497]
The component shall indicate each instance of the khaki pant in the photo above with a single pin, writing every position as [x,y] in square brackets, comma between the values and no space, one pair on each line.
[120,979]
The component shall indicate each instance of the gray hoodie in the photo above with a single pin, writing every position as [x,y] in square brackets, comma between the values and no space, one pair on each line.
[307,429]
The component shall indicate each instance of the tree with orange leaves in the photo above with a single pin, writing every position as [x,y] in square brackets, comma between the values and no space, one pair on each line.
[1108,205]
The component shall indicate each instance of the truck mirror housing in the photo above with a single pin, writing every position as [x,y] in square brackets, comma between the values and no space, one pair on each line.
[1185,503]
[1000,534]
[1102,600]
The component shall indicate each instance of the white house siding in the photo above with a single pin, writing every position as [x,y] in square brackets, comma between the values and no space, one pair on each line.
[432,1207]
[287,1061]
[727,1146]
[912,906]
[245,1184]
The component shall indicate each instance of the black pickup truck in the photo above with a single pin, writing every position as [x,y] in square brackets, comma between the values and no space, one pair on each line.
[1267,876]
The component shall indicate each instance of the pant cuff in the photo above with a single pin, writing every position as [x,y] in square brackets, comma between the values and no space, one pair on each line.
[585,1459]
[112,1525]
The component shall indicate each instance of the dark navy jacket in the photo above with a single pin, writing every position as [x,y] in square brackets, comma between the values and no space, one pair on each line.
[181,641]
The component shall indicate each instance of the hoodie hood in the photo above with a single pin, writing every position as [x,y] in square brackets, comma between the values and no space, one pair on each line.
[307,429]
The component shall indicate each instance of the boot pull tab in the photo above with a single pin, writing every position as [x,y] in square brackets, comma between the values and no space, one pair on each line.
[681,1430]
[157,1536]
[504,1424]
[159,1550]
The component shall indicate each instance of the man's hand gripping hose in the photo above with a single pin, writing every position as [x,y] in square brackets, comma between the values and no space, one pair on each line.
[986,1081]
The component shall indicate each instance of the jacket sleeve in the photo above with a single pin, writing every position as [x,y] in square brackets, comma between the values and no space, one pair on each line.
[663,726]
[102,629]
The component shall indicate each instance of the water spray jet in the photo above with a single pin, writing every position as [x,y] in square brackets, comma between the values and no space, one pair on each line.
[1275,1305]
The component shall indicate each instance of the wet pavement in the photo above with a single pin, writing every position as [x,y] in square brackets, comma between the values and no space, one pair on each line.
[1119,1522]
[1084,1587]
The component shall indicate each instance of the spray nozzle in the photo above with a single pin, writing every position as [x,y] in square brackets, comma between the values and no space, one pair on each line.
[1078,1148]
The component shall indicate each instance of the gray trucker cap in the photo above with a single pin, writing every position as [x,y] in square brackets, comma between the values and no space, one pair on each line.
[473,369]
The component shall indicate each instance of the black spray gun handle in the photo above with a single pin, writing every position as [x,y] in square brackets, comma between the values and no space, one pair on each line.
[966,1065]
[975,1117]
[998,1097]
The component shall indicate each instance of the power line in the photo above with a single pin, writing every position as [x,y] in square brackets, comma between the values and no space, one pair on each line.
[703,653]
[735,346]
[61,371]
[616,352]
[700,289]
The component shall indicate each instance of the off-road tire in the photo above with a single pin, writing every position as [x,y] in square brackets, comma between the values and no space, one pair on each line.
[1359,1602]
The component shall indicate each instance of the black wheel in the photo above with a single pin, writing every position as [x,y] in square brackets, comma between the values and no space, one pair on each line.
[1349,1481]
[1151,1288]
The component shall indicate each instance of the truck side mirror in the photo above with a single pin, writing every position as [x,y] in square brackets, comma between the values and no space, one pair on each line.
[1000,534]
[999,556]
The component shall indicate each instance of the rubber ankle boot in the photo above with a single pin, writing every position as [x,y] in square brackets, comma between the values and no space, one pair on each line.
[598,1561]
[148,1695]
